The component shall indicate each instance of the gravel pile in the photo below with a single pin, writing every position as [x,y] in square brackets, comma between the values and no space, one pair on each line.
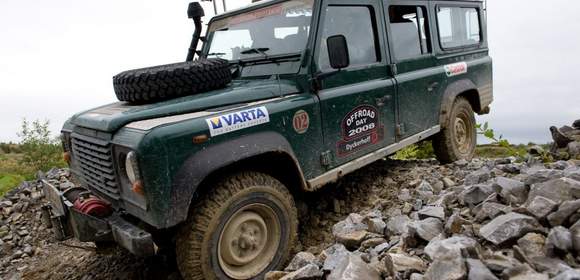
[485,219]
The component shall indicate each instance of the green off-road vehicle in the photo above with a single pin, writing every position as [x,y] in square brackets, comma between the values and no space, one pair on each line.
[284,97]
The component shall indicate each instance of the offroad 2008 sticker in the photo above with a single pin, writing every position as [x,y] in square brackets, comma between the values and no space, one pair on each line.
[455,69]
[360,128]
[237,120]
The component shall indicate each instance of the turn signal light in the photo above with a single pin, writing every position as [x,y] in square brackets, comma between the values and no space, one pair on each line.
[200,139]
[66,157]
[138,188]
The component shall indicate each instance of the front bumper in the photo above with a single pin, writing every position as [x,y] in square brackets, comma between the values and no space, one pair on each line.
[68,222]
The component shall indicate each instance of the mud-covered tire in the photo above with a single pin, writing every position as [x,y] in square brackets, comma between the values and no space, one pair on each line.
[172,80]
[218,216]
[459,138]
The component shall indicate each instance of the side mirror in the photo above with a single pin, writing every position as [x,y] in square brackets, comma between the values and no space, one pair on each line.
[338,52]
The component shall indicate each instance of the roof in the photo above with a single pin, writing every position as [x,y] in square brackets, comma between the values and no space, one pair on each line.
[269,2]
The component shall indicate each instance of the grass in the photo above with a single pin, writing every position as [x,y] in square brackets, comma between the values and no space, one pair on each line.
[13,171]
[8,182]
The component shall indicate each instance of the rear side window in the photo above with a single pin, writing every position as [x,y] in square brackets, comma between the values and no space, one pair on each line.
[357,24]
[458,27]
[409,30]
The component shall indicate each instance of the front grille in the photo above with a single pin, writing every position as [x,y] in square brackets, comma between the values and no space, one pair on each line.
[94,159]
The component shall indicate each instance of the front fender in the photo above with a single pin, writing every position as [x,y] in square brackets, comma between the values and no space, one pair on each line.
[203,163]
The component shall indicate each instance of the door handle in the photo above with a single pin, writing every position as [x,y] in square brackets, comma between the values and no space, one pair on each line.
[433,86]
[381,101]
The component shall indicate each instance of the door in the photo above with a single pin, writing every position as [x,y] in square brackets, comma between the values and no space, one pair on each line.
[417,73]
[357,103]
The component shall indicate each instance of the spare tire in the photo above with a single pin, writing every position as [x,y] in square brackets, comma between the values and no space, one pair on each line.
[172,80]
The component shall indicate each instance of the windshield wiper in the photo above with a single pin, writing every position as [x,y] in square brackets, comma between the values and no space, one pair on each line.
[261,51]
[216,53]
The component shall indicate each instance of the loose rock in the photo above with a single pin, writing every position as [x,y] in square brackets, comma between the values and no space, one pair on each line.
[507,227]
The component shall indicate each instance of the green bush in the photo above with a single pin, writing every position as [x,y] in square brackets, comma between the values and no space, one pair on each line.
[40,151]
[422,150]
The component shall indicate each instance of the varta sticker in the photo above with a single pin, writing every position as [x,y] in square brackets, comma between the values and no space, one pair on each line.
[238,120]
[455,69]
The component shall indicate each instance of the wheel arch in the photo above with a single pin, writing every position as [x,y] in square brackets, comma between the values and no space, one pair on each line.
[462,88]
[267,152]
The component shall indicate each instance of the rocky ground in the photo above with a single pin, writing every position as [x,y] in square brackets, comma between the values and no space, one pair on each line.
[484,219]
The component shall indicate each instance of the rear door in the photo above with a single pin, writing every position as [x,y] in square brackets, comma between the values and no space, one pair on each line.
[357,103]
[418,74]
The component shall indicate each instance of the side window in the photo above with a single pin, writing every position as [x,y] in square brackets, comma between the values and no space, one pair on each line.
[357,24]
[458,27]
[409,31]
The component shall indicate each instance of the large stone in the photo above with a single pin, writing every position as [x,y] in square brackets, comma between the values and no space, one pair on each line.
[572,173]
[351,231]
[558,190]
[398,225]
[540,175]
[575,231]
[490,210]
[375,224]
[574,149]
[333,255]
[550,266]
[309,272]
[571,274]
[523,272]
[532,244]
[403,262]
[511,188]
[433,212]
[541,207]
[428,229]
[477,177]
[559,238]
[450,267]
[353,268]
[475,194]
[300,260]
[507,227]
[478,270]
[565,210]
[437,249]
[498,262]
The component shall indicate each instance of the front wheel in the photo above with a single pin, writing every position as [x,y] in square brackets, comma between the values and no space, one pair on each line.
[245,227]
[459,138]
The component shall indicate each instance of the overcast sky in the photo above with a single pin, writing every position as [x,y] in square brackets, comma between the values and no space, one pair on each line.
[57,57]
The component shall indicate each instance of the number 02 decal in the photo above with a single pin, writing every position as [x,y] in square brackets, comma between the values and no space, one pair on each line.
[301,122]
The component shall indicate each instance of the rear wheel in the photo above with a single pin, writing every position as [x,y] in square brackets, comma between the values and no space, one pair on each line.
[245,227]
[458,139]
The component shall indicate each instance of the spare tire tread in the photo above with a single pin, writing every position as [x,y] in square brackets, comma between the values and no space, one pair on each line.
[172,80]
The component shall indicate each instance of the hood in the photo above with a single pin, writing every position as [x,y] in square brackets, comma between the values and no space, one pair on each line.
[110,118]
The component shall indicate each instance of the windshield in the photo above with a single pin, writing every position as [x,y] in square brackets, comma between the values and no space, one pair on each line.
[278,29]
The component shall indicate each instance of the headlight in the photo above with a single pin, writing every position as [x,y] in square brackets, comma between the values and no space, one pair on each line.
[131,167]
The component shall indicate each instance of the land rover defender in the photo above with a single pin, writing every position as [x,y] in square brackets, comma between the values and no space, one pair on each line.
[282,98]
